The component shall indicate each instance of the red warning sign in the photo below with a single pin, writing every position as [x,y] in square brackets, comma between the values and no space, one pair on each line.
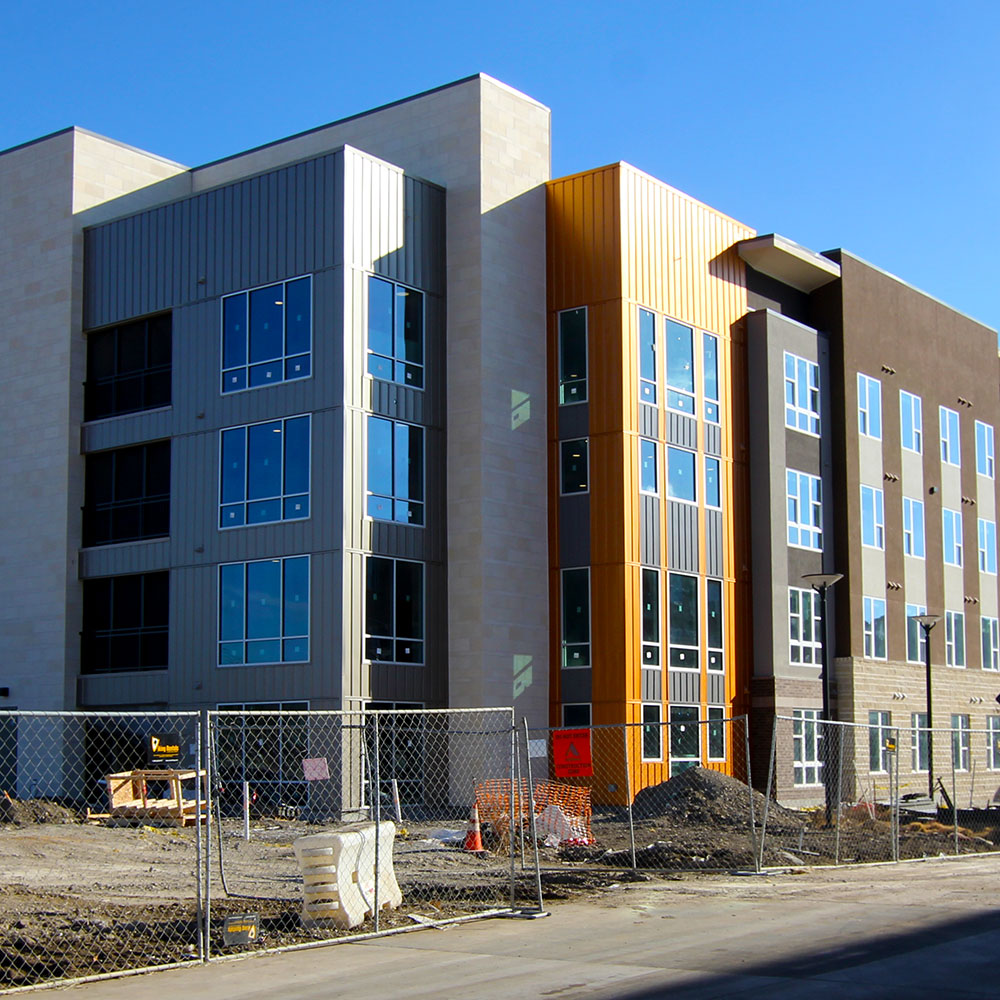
[571,753]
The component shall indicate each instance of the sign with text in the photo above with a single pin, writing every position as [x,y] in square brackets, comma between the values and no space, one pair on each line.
[163,749]
[571,753]
[241,928]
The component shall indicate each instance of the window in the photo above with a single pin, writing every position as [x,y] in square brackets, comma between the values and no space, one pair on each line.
[713,493]
[713,620]
[652,732]
[879,735]
[987,546]
[716,733]
[267,335]
[683,621]
[954,638]
[647,356]
[576,716]
[680,475]
[805,512]
[950,453]
[985,464]
[911,419]
[807,767]
[872,517]
[869,407]
[680,367]
[710,376]
[573,466]
[395,471]
[960,742]
[805,627]
[576,617]
[916,642]
[264,612]
[647,466]
[991,642]
[127,494]
[125,623]
[919,737]
[394,611]
[952,522]
[801,394]
[264,473]
[572,356]
[685,738]
[913,527]
[650,617]
[395,333]
[128,368]
[993,742]
[874,628]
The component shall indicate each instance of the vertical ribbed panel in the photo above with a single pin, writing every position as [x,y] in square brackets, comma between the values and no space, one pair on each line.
[574,531]
[714,527]
[685,687]
[682,537]
[652,685]
[649,530]
[716,685]
[713,439]
[681,430]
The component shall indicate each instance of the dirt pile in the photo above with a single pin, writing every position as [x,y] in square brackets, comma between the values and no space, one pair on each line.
[24,813]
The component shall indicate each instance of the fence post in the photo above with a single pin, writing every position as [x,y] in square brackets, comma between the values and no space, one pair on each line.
[896,797]
[209,735]
[840,782]
[515,769]
[753,817]
[772,765]
[378,821]
[534,829]
[199,736]
[628,793]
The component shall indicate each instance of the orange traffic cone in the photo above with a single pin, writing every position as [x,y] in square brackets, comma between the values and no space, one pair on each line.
[473,836]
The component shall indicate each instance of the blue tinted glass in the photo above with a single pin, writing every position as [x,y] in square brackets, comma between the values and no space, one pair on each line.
[380,317]
[296,596]
[234,331]
[263,511]
[408,513]
[867,516]
[380,508]
[409,462]
[409,325]
[297,455]
[411,375]
[711,367]
[380,367]
[266,316]
[296,507]
[380,456]
[295,650]
[678,401]
[265,374]
[232,516]
[264,652]
[230,653]
[233,468]
[298,367]
[712,492]
[264,460]
[263,599]
[298,307]
[647,466]
[647,345]
[680,474]
[680,356]
[231,381]
[231,602]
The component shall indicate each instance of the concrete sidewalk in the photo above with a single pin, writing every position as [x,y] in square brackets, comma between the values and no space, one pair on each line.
[884,931]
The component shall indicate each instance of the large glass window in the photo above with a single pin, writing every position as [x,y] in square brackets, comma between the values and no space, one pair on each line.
[395,471]
[916,641]
[993,742]
[680,367]
[648,475]
[710,376]
[872,517]
[395,332]
[991,642]
[911,420]
[713,484]
[716,733]
[714,624]
[874,628]
[573,463]
[652,732]
[805,626]
[681,482]
[879,735]
[807,767]
[683,622]
[952,537]
[576,715]
[801,394]
[125,623]
[650,617]
[950,445]
[913,527]
[264,473]
[961,742]
[128,368]
[264,611]
[954,638]
[985,464]
[127,494]
[805,511]
[869,406]
[987,546]
[576,617]
[267,335]
[647,356]
[920,741]
[394,610]
[572,356]
[685,738]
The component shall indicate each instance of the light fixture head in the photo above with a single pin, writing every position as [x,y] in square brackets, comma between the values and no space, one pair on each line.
[820,581]
[926,621]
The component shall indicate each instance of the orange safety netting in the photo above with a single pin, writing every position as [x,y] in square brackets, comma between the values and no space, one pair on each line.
[493,800]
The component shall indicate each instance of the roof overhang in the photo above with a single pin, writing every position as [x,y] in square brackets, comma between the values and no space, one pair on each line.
[786,261]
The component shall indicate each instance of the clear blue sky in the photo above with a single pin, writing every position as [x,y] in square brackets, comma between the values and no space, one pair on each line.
[867,124]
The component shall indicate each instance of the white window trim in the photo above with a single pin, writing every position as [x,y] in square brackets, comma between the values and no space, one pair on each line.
[911,610]
[993,742]
[878,518]
[884,728]
[718,463]
[803,716]
[957,550]
[917,409]
[989,437]
[721,718]
[798,409]
[642,731]
[694,471]
[655,492]
[951,451]
[992,662]
[866,409]
[951,620]
[871,602]
[655,381]
[909,504]
[987,546]
[802,526]
[815,645]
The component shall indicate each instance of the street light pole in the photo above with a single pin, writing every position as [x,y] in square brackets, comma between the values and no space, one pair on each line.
[821,583]
[926,623]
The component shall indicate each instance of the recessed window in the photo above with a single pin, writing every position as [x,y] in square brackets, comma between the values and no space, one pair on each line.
[954,638]
[647,357]
[916,641]
[127,494]
[805,627]
[685,738]
[920,740]
[710,376]
[801,394]
[395,471]
[991,643]
[394,610]
[264,611]
[716,733]
[950,445]
[993,742]
[652,732]
[572,356]
[267,335]
[573,466]
[807,768]
[576,716]
[648,478]
[395,333]
[714,625]
[681,483]
[683,621]
[264,473]
[805,510]
[987,546]
[952,537]
[985,464]
[713,484]
[125,623]
[869,407]
[576,617]
[128,368]
[874,628]
[872,518]
[911,421]
[880,734]
[913,527]
[650,617]
[961,742]
[680,367]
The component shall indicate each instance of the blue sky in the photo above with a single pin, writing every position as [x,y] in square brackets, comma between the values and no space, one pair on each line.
[868,125]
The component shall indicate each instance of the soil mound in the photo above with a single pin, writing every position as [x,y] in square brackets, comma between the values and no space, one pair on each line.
[24,813]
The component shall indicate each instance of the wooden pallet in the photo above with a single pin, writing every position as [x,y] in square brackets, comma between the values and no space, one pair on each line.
[129,799]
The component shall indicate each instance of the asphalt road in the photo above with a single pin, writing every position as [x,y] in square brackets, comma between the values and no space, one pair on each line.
[923,928]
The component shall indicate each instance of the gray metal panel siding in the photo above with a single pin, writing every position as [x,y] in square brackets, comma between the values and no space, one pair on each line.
[108,690]
[713,439]
[574,530]
[713,542]
[652,685]
[574,421]
[649,530]
[682,430]
[576,686]
[685,687]
[682,537]
[716,688]
[649,421]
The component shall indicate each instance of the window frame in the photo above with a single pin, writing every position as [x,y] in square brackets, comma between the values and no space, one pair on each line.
[879,729]
[951,436]
[815,645]
[649,444]
[989,629]
[394,359]
[577,704]
[799,415]
[651,646]
[396,498]
[961,741]
[684,392]
[683,649]
[870,607]
[911,433]
[954,640]
[572,381]
[717,505]
[716,717]
[691,464]
[97,645]
[584,443]
[647,385]
[807,756]
[715,653]
[681,762]
[418,660]
[564,645]
[873,518]
[711,408]
[985,450]
[911,536]
[914,631]
[919,743]
[869,407]
[987,546]
[651,726]
[813,530]
[993,742]
[951,537]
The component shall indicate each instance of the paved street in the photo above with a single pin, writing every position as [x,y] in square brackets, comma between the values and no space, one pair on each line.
[884,931]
